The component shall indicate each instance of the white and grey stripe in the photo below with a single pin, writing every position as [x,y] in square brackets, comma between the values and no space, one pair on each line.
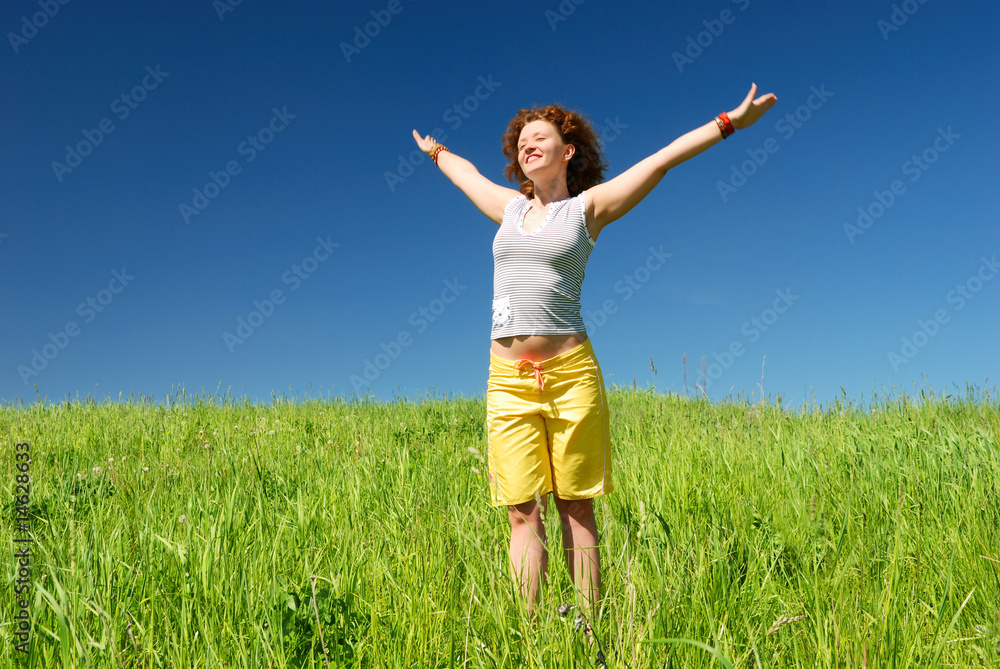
[538,277]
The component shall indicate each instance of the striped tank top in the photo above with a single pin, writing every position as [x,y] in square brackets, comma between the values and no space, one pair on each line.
[538,277]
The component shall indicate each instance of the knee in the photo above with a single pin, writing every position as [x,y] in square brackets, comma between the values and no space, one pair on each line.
[529,514]
[578,510]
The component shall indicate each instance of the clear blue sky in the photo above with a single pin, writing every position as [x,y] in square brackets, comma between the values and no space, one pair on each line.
[294,127]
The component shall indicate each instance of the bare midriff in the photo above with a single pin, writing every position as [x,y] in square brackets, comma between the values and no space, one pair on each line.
[535,347]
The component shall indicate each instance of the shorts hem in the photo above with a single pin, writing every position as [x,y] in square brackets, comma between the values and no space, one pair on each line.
[498,504]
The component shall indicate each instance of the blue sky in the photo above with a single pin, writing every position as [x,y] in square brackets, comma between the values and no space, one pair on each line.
[225,198]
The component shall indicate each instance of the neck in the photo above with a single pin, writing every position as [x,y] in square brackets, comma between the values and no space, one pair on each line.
[552,190]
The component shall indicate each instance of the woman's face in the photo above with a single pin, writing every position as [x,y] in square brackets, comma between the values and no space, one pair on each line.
[540,148]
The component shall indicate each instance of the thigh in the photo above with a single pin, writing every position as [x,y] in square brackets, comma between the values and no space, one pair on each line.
[517,448]
[579,432]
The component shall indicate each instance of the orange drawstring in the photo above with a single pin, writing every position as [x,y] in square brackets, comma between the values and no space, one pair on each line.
[538,371]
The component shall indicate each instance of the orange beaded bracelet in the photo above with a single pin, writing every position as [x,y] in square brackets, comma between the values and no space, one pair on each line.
[436,150]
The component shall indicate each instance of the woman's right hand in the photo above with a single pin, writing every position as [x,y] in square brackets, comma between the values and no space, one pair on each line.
[425,143]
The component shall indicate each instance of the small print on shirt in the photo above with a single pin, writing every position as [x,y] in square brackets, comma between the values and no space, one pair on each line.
[501,310]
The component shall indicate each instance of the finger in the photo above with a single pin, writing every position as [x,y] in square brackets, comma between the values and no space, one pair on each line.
[765,100]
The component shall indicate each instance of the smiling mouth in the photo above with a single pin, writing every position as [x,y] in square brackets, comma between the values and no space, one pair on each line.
[531,157]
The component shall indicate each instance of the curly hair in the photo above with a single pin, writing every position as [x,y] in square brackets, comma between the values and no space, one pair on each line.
[586,167]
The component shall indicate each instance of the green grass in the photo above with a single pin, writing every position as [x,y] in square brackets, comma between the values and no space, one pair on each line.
[187,533]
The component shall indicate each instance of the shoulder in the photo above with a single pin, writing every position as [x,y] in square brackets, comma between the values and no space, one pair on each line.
[516,203]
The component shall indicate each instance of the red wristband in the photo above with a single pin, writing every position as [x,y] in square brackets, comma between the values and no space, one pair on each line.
[725,125]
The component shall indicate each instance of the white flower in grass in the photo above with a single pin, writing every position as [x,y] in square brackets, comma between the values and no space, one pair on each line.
[271,432]
[96,470]
[145,469]
[111,459]
[182,519]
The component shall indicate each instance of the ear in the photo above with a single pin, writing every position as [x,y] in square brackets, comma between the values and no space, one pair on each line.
[570,151]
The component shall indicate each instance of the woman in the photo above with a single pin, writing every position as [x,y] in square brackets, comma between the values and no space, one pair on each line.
[547,415]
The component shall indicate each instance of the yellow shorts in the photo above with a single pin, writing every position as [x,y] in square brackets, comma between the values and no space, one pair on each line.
[547,428]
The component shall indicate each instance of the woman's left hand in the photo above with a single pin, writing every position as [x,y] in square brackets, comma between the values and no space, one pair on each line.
[747,113]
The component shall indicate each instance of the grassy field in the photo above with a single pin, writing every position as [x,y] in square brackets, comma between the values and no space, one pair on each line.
[200,533]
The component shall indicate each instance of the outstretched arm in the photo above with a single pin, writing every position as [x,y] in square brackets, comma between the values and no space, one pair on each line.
[489,198]
[609,201]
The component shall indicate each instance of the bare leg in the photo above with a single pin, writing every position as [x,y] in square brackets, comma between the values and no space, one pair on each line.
[529,555]
[583,557]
